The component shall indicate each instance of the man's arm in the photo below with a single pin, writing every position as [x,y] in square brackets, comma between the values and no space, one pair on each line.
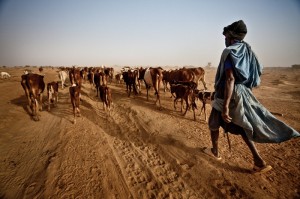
[229,86]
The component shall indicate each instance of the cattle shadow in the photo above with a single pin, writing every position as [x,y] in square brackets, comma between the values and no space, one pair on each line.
[22,101]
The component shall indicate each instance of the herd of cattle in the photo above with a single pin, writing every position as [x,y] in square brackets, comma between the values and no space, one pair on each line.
[182,84]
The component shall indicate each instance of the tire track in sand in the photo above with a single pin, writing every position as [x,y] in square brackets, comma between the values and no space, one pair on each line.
[147,173]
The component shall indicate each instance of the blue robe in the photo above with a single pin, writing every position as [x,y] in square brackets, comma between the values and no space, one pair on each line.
[246,111]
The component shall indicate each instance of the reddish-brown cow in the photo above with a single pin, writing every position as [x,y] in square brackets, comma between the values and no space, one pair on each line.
[33,85]
[205,97]
[75,77]
[75,100]
[184,91]
[186,75]
[105,96]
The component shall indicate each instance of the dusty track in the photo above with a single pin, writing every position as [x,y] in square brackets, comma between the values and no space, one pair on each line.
[137,150]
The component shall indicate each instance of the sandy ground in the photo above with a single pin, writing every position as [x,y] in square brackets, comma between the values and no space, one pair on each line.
[138,150]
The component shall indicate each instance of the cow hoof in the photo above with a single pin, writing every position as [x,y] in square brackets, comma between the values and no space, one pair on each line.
[35,118]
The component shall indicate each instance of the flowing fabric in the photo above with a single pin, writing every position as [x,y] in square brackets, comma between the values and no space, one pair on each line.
[246,111]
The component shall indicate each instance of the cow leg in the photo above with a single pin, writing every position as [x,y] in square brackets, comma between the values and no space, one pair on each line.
[175,100]
[49,101]
[187,106]
[78,112]
[202,108]
[26,92]
[41,101]
[34,108]
[147,93]
[97,90]
[157,99]
[56,98]
[204,112]
[49,97]
[181,105]
[204,83]
[193,104]
[74,112]
[194,113]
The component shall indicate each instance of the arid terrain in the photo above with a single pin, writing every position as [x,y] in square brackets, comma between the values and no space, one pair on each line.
[137,150]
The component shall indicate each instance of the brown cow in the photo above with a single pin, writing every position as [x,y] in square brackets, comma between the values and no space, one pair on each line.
[184,91]
[75,77]
[109,72]
[52,91]
[90,76]
[153,77]
[34,85]
[75,98]
[186,75]
[100,79]
[130,78]
[118,78]
[105,96]
[83,74]
[205,97]
[199,76]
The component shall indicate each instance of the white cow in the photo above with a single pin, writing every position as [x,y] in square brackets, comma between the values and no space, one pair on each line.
[5,75]
[63,75]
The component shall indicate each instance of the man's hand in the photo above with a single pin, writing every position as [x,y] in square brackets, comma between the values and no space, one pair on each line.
[225,115]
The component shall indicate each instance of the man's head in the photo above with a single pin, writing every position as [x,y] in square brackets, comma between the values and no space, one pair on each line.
[236,30]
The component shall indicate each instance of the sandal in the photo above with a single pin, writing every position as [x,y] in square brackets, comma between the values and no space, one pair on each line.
[208,152]
[263,169]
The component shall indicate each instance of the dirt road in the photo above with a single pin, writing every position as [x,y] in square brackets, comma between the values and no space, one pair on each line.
[138,150]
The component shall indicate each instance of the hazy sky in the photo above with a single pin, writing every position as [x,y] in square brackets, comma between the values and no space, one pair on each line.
[143,32]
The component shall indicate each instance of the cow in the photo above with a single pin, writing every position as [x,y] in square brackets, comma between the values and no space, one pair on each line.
[90,76]
[118,78]
[184,91]
[75,77]
[75,99]
[99,80]
[83,73]
[63,75]
[166,79]
[34,85]
[205,97]
[185,74]
[5,75]
[105,96]
[109,72]
[199,76]
[153,77]
[52,91]
[131,80]
[27,71]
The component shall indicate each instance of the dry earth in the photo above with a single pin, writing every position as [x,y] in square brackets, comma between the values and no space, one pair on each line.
[138,150]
